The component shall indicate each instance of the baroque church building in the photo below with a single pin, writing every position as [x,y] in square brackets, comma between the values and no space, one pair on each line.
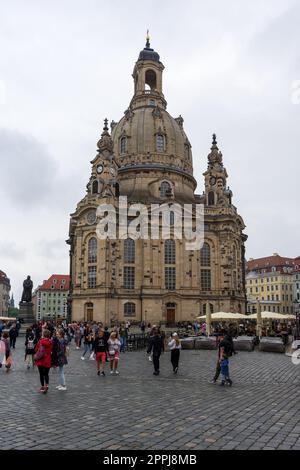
[147,157]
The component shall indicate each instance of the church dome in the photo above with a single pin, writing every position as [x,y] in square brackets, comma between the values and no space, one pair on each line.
[149,143]
[152,135]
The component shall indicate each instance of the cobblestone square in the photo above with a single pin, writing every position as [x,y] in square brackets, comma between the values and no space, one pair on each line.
[139,411]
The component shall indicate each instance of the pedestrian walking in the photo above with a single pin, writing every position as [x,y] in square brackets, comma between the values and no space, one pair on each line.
[87,341]
[225,350]
[156,346]
[42,359]
[62,360]
[175,347]
[13,334]
[29,348]
[100,348]
[7,351]
[123,335]
[114,352]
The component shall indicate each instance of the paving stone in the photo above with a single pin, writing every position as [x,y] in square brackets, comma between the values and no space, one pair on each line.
[137,411]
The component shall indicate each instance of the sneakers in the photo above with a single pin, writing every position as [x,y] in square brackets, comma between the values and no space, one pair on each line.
[77,347]
[42,390]
[103,373]
[82,358]
[156,372]
[175,370]
[213,381]
[222,383]
[63,388]
[117,372]
[111,372]
[150,359]
[229,382]
[98,372]
[58,387]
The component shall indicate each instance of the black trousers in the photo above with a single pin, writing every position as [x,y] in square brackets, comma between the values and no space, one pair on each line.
[13,341]
[175,354]
[218,371]
[156,362]
[44,375]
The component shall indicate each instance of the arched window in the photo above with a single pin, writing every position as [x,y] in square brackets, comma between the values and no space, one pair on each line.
[95,187]
[205,255]
[92,250]
[129,309]
[172,219]
[211,198]
[160,142]
[150,79]
[211,308]
[129,251]
[170,252]
[117,189]
[165,189]
[123,145]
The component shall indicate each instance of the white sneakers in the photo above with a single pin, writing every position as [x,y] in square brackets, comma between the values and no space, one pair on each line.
[114,372]
[82,358]
[61,387]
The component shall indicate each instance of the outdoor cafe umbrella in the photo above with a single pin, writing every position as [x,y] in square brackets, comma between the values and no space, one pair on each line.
[272,316]
[219,316]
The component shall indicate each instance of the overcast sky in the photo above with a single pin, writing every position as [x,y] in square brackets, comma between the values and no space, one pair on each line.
[66,65]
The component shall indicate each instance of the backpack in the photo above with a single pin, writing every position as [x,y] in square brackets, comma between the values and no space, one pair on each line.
[40,354]
[30,344]
[227,348]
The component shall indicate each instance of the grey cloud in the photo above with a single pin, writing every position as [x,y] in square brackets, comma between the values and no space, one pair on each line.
[27,171]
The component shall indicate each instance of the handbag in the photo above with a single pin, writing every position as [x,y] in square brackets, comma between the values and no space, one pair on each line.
[40,354]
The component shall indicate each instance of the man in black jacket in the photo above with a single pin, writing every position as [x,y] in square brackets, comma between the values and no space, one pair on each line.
[156,345]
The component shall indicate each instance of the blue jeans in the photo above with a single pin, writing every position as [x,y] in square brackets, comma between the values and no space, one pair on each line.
[62,376]
[123,343]
[87,348]
[225,369]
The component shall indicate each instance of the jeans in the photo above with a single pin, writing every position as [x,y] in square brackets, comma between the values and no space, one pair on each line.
[87,348]
[62,376]
[123,343]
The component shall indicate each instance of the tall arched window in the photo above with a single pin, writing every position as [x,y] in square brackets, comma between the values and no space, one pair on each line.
[170,252]
[92,250]
[123,145]
[170,259]
[205,255]
[150,79]
[129,309]
[129,251]
[165,189]
[160,142]
[211,198]
[95,187]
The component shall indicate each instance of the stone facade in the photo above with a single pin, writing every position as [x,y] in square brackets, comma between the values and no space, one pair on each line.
[148,159]
[4,294]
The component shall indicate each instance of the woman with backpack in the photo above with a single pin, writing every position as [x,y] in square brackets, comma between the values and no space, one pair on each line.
[62,358]
[42,357]
[175,346]
[29,348]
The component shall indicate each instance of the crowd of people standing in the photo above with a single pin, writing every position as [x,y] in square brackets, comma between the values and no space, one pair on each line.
[47,346]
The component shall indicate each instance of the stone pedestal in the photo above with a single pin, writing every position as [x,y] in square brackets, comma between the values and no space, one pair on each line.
[26,314]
